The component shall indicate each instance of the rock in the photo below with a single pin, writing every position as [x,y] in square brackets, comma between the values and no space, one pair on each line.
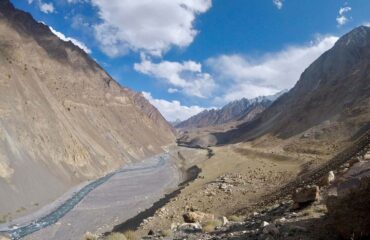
[348,203]
[224,221]
[190,227]
[280,221]
[173,226]
[197,216]
[271,229]
[264,224]
[367,156]
[222,186]
[328,179]
[306,194]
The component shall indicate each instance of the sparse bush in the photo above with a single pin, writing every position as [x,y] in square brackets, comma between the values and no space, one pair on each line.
[235,218]
[166,233]
[131,235]
[116,236]
[90,236]
[210,226]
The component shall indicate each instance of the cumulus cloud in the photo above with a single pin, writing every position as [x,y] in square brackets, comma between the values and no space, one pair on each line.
[173,110]
[244,76]
[44,7]
[186,76]
[148,26]
[172,90]
[73,40]
[342,18]
[278,3]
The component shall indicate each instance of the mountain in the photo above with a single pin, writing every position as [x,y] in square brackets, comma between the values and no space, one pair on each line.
[240,110]
[63,119]
[332,94]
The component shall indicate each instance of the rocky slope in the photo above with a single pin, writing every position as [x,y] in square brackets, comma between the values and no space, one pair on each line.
[63,119]
[332,92]
[241,110]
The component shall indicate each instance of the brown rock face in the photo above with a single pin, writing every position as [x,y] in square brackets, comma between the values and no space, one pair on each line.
[63,119]
[348,205]
[193,217]
[306,194]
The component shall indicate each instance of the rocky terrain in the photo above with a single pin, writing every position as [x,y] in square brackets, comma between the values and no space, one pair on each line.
[318,205]
[63,119]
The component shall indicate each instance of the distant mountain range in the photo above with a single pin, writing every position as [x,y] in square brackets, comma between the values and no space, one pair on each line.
[240,110]
[333,92]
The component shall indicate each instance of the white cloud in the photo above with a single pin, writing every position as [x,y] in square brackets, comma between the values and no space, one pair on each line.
[73,40]
[278,3]
[342,18]
[172,90]
[173,110]
[186,76]
[250,77]
[146,25]
[46,7]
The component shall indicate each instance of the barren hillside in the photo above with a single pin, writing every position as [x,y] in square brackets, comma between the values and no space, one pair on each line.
[63,119]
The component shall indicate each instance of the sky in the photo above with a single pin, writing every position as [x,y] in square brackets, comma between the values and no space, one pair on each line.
[186,56]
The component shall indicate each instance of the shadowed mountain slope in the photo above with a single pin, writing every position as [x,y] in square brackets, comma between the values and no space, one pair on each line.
[63,119]
[333,91]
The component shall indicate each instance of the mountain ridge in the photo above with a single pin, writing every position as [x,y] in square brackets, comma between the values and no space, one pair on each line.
[63,118]
[238,110]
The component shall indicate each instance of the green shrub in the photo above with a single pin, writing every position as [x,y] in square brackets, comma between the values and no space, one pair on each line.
[166,233]
[210,226]
[131,235]
[116,236]
[235,218]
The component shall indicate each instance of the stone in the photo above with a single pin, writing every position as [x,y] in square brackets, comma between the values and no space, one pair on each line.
[224,221]
[306,194]
[190,227]
[264,224]
[327,179]
[348,203]
[197,216]
[367,156]
[271,229]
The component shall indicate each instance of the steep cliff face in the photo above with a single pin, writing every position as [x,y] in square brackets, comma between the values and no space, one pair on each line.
[63,119]
[334,90]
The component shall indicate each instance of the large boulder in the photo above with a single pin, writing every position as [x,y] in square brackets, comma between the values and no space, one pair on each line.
[348,203]
[327,179]
[306,195]
[197,216]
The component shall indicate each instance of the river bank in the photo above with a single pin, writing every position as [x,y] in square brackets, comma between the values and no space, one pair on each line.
[121,189]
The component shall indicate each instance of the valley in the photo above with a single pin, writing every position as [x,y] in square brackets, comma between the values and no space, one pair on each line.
[84,157]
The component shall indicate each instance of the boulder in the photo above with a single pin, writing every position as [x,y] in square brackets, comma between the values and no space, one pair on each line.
[271,229]
[327,179]
[224,221]
[367,156]
[197,216]
[190,227]
[348,203]
[306,194]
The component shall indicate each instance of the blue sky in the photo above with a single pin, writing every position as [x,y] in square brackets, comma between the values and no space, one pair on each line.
[189,55]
